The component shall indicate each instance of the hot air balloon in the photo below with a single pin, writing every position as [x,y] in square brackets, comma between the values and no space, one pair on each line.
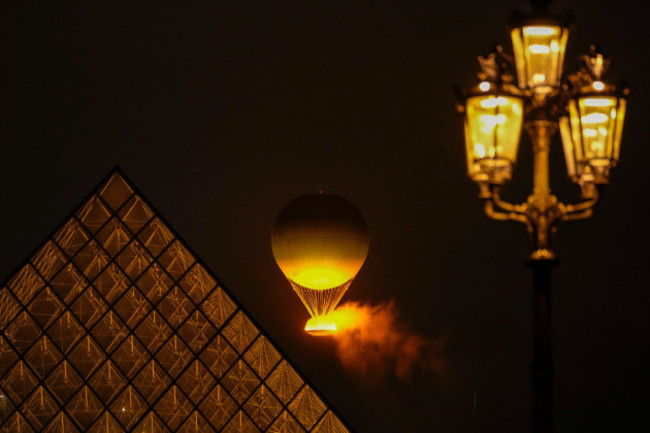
[320,242]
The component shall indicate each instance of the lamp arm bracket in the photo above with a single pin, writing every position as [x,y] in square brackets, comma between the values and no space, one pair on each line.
[516,208]
[575,216]
[491,212]
[578,208]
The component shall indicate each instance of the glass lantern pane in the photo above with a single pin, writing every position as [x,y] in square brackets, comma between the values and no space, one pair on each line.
[569,148]
[620,116]
[473,168]
[574,119]
[493,129]
[597,116]
[539,55]
[509,117]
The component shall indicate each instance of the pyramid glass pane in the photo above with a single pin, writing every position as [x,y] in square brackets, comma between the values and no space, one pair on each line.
[114,325]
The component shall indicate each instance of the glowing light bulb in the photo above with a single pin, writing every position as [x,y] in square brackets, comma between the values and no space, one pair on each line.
[490,121]
[479,149]
[594,118]
[540,31]
[493,102]
[590,132]
[598,85]
[599,102]
[539,78]
[484,86]
[597,146]
[539,49]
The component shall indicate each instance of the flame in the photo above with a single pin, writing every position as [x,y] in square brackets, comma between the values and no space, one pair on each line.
[320,326]
[372,341]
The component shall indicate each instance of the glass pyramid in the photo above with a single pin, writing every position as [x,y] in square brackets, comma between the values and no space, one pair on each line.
[113,325]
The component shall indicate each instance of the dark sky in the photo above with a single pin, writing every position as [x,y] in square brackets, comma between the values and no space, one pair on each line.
[223,112]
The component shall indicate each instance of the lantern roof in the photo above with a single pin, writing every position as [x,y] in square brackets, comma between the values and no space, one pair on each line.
[496,77]
[540,16]
[591,78]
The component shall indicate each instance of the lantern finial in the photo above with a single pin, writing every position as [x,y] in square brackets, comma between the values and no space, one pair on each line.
[541,5]
[496,66]
[595,62]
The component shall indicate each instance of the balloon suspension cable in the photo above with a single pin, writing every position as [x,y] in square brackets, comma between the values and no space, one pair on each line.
[320,303]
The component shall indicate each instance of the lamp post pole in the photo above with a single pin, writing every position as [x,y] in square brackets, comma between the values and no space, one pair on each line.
[544,206]
[589,114]
[542,368]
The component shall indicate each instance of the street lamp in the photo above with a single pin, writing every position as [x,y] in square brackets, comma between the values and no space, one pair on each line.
[589,113]
[593,124]
[494,111]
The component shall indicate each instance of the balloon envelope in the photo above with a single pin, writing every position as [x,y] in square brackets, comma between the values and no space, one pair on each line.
[320,241]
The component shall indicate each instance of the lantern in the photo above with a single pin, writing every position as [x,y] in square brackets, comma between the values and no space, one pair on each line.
[592,127]
[493,116]
[539,43]
[320,242]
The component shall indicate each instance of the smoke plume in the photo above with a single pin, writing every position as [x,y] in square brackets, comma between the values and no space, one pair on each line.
[372,341]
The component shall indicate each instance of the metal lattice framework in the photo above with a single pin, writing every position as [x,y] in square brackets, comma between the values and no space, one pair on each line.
[114,325]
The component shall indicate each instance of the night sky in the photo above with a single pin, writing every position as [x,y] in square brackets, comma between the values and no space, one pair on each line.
[223,112]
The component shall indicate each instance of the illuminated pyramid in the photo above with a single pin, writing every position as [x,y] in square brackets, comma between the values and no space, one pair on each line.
[113,325]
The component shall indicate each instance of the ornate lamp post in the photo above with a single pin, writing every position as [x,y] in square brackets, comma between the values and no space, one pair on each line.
[589,113]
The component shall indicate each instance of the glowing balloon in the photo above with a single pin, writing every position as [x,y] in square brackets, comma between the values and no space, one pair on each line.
[320,242]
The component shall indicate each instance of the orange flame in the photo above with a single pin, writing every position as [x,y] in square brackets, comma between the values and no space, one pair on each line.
[320,326]
[371,340]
